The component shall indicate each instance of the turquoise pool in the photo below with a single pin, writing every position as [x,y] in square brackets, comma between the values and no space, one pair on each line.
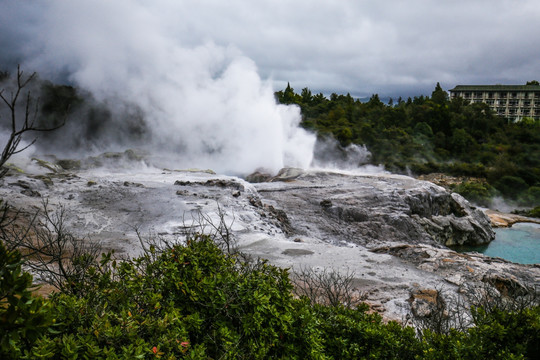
[519,243]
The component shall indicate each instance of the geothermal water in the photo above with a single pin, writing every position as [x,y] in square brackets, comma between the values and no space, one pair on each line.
[519,243]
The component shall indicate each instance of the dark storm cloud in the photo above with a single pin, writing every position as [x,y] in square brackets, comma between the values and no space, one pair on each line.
[361,47]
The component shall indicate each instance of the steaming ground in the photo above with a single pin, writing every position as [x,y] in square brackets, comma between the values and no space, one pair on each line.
[318,219]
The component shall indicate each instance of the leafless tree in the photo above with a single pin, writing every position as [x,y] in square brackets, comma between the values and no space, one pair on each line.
[18,127]
[51,251]
[439,314]
[328,287]
[219,230]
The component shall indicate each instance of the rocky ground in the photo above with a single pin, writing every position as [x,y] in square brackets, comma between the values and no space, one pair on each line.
[499,219]
[389,231]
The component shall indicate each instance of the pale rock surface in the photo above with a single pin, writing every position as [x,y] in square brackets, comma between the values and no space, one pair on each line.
[389,230]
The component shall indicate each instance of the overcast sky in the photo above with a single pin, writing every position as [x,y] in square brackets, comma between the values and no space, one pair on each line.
[387,47]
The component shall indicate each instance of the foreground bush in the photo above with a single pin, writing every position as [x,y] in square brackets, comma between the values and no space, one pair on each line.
[23,317]
[195,302]
[497,334]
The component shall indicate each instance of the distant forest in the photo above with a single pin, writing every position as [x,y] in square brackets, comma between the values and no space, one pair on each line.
[434,134]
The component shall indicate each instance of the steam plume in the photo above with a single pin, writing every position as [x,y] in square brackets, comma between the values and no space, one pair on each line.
[204,105]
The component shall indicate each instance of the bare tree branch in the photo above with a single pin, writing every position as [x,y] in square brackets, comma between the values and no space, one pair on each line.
[327,286]
[49,248]
[444,311]
[18,127]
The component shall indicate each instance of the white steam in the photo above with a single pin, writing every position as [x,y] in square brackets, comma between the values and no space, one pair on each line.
[205,105]
[18,159]
[329,154]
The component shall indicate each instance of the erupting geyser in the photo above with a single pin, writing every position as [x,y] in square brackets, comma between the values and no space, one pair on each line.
[203,105]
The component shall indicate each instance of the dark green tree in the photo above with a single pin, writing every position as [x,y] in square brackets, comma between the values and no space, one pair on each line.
[439,96]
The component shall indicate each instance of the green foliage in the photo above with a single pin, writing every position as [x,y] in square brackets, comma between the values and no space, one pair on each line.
[479,193]
[188,300]
[535,212]
[193,301]
[4,75]
[531,196]
[57,99]
[439,96]
[355,334]
[423,129]
[511,186]
[497,334]
[23,317]
[56,102]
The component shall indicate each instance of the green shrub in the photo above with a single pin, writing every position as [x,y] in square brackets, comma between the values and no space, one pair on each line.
[188,300]
[476,192]
[355,334]
[424,168]
[195,302]
[511,186]
[534,212]
[23,317]
[466,169]
[496,335]
[531,196]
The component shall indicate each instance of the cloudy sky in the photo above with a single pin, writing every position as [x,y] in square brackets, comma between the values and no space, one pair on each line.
[362,47]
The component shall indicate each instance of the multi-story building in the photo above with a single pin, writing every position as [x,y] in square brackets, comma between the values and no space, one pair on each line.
[513,102]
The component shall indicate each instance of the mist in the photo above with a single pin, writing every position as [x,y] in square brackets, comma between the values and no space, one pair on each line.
[329,154]
[190,105]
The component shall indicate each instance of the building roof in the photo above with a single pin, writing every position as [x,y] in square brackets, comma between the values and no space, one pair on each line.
[496,88]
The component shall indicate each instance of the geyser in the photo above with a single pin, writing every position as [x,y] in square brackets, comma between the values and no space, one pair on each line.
[203,105]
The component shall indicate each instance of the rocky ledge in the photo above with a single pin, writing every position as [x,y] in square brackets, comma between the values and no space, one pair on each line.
[371,208]
[499,219]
